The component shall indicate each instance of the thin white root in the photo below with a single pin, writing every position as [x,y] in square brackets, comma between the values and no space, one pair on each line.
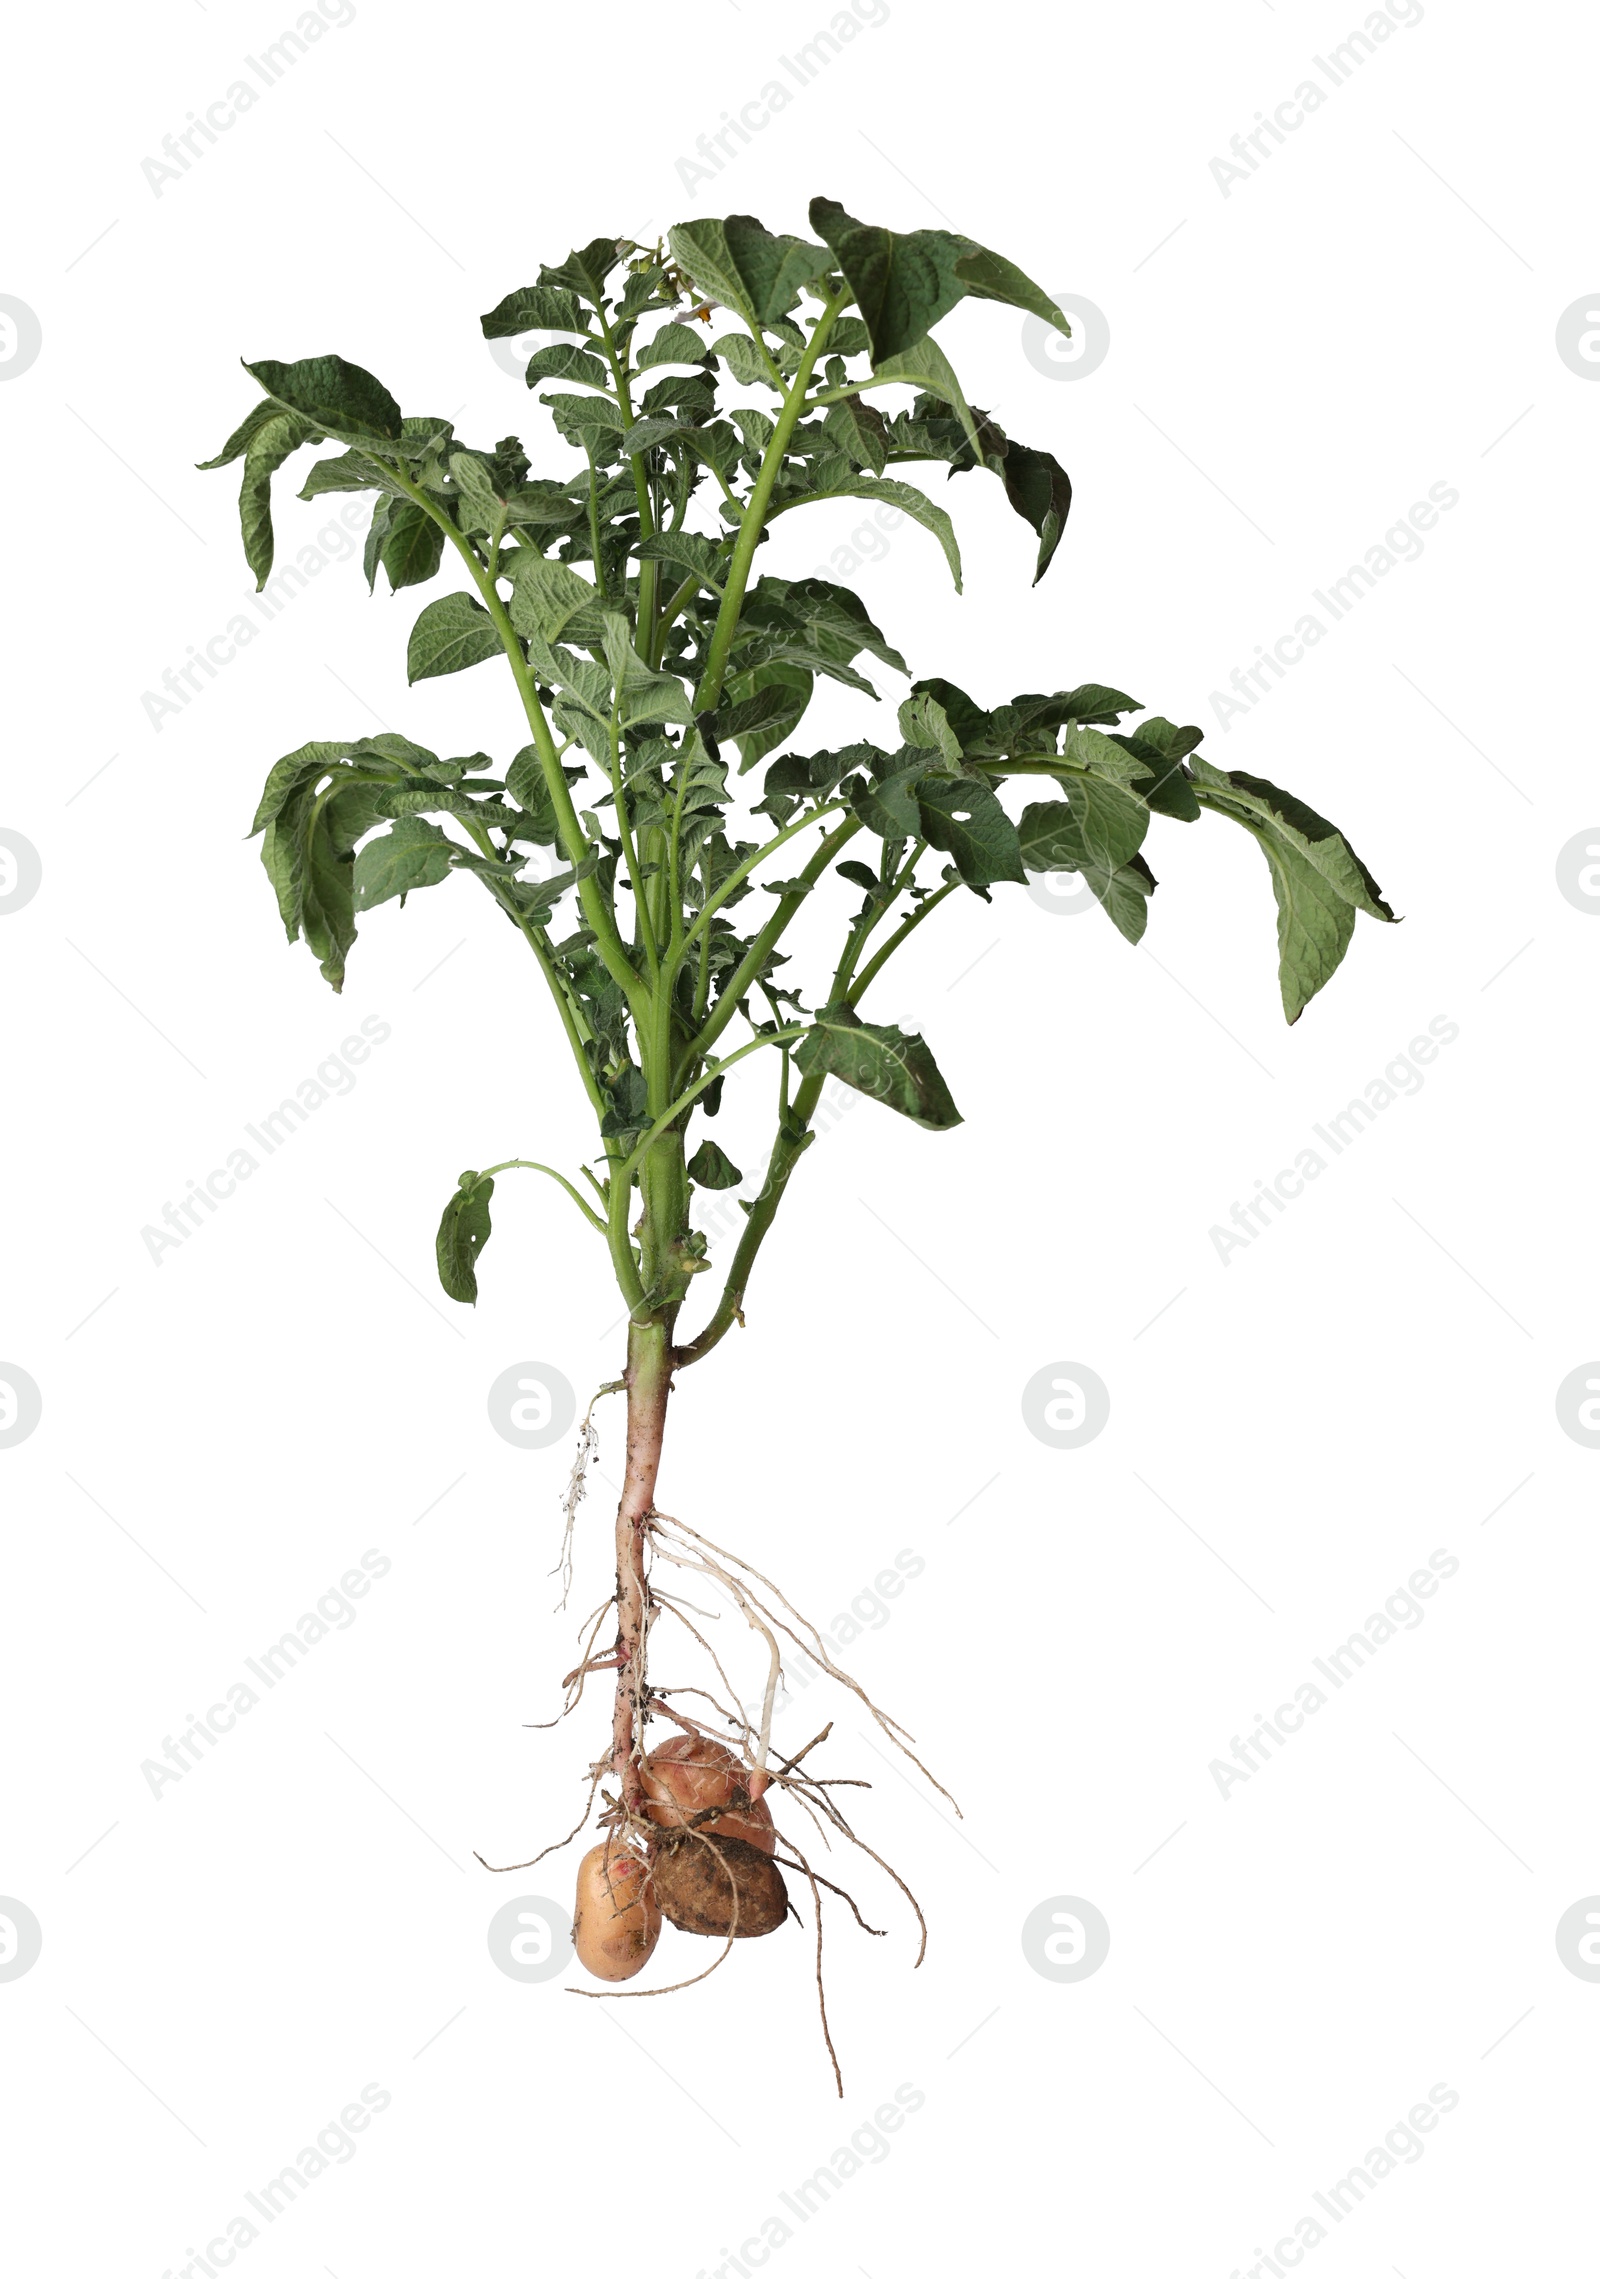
[811,1643]
[577,1486]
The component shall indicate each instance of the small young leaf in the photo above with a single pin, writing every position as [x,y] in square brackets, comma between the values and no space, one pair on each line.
[630,1106]
[463,1231]
[709,1167]
[882,1062]
[585,271]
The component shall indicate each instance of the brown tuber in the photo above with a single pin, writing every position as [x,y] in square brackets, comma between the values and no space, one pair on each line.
[615,1919]
[696,1877]
[690,1774]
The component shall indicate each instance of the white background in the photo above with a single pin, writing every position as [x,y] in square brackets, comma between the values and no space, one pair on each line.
[1294,1965]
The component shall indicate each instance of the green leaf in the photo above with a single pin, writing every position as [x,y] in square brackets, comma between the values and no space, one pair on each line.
[463,1231]
[641,695]
[351,471]
[764,708]
[971,725]
[480,505]
[411,853]
[841,481]
[858,431]
[566,361]
[1040,490]
[630,1105]
[412,547]
[1052,837]
[644,434]
[1317,877]
[709,1167]
[903,284]
[1164,748]
[377,532]
[1108,811]
[888,803]
[924,364]
[814,775]
[882,1062]
[525,781]
[545,595]
[534,308]
[585,271]
[923,721]
[1124,895]
[991,277]
[835,619]
[1091,706]
[292,774]
[703,558]
[452,633]
[739,352]
[963,819]
[332,394]
[254,420]
[587,422]
[673,344]
[744,266]
[859,875]
[307,846]
[269,446]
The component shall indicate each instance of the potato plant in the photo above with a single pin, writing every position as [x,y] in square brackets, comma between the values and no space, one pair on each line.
[707,387]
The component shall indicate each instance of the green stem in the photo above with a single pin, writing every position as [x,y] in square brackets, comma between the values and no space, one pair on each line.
[755,511]
[793,1138]
[645,641]
[736,878]
[596,909]
[907,926]
[521,1163]
[646,931]
[692,1092]
[766,941]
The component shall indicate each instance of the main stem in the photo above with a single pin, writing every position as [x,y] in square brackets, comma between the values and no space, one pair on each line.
[649,1382]
[663,1222]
